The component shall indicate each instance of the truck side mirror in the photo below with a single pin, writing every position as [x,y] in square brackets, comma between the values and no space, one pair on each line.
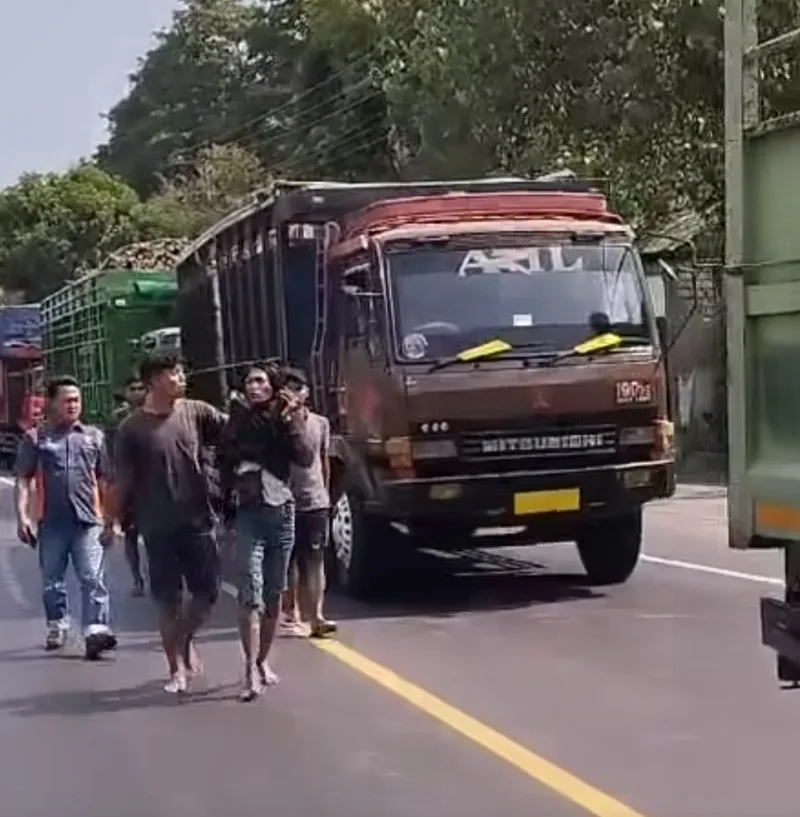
[662,327]
[669,278]
[667,271]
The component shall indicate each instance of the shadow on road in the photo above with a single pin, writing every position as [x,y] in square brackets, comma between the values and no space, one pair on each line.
[446,584]
[83,702]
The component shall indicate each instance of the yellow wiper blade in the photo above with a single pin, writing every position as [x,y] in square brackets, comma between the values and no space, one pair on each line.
[602,343]
[479,352]
[492,347]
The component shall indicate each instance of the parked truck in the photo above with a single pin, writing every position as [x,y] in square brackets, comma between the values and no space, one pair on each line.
[487,351]
[762,169]
[21,399]
[92,328]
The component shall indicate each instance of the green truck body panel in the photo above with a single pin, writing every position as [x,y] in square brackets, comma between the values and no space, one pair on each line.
[762,294]
[90,329]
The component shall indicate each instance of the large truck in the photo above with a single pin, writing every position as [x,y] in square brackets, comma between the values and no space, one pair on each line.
[762,173]
[487,351]
[93,327]
[21,399]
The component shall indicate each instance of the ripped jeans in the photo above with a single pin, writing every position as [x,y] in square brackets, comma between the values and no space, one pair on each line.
[80,543]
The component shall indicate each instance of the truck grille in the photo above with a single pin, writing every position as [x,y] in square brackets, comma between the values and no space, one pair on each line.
[541,446]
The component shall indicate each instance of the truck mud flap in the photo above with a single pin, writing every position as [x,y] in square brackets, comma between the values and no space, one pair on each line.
[780,630]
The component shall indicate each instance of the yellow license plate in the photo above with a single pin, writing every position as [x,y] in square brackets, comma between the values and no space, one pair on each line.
[547,501]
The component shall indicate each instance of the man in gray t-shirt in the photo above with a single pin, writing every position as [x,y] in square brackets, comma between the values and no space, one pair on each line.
[312,520]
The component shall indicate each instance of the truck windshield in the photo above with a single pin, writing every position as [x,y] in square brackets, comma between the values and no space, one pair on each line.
[544,297]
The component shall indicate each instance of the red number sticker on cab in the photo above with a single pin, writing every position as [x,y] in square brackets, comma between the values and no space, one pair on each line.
[628,392]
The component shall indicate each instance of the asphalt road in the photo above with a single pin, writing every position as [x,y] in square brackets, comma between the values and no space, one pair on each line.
[499,684]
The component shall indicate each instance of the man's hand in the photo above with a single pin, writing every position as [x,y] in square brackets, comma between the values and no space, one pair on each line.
[292,403]
[25,532]
[107,535]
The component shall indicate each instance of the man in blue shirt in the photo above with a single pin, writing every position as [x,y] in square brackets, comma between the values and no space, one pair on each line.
[65,461]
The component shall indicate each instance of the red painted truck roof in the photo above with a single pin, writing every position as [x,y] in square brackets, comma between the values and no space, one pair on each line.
[465,207]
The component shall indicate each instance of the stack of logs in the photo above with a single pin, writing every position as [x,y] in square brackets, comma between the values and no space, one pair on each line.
[160,254]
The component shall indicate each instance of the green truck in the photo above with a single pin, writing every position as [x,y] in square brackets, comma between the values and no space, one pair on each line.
[762,170]
[92,328]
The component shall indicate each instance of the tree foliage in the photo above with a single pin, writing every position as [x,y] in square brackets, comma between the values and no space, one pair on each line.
[217,180]
[51,225]
[234,93]
[617,89]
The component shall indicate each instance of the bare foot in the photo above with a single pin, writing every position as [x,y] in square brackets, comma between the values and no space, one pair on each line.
[191,659]
[176,683]
[251,689]
[266,675]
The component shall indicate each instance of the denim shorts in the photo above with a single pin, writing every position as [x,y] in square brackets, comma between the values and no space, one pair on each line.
[264,542]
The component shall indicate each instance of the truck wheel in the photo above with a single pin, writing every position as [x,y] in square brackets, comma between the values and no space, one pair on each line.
[610,550]
[366,551]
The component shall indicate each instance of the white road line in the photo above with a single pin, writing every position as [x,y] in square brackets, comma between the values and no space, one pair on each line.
[6,481]
[716,571]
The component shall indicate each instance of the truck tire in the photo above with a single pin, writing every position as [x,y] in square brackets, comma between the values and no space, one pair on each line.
[610,549]
[366,553]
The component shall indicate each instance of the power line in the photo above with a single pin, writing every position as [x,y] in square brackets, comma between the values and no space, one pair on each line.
[277,112]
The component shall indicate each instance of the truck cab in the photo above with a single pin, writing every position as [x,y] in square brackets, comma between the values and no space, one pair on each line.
[499,365]
[487,351]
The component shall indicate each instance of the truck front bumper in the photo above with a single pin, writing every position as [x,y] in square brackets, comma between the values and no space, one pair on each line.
[538,498]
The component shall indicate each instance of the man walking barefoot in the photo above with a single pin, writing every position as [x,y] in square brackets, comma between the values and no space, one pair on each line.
[266,434]
[66,459]
[310,486]
[161,480]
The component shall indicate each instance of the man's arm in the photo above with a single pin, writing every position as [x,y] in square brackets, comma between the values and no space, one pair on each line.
[324,452]
[123,468]
[104,474]
[301,451]
[24,471]
[211,423]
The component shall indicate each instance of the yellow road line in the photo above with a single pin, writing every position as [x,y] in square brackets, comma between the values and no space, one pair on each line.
[534,766]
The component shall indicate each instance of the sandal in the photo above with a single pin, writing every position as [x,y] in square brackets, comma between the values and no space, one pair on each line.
[324,628]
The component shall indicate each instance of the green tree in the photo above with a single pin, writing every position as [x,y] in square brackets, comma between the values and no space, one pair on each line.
[614,89]
[50,225]
[53,226]
[220,179]
[204,82]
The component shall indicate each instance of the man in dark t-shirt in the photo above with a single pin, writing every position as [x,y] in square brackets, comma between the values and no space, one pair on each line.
[161,481]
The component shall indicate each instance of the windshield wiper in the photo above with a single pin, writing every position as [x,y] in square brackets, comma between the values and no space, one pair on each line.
[600,345]
[484,351]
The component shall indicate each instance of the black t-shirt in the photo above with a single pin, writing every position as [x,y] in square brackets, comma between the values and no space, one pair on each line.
[161,465]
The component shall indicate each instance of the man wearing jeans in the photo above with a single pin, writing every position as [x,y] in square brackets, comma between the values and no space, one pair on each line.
[66,459]
[264,437]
